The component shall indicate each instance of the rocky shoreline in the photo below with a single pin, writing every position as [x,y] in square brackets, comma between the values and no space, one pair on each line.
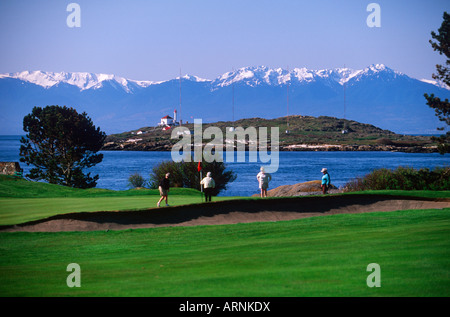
[166,146]
[387,148]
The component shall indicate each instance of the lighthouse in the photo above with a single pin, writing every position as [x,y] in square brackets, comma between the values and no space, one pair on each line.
[175,116]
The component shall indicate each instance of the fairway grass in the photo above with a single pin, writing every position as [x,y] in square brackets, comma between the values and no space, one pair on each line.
[318,256]
[20,210]
[22,201]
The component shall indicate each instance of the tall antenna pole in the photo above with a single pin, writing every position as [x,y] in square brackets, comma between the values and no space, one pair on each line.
[345,125]
[232,85]
[344,95]
[287,130]
[232,102]
[180,99]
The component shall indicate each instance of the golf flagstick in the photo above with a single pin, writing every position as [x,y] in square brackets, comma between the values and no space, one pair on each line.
[199,168]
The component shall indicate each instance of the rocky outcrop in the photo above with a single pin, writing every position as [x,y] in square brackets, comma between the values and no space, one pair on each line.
[389,148]
[167,146]
[137,146]
[300,189]
[9,168]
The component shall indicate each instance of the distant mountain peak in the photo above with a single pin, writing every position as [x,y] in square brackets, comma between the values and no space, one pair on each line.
[82,80]
[439,84]
[193,78]
[257,75]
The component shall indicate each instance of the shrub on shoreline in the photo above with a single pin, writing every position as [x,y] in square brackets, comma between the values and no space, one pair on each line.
[402,178]
[136,181]
[185,174]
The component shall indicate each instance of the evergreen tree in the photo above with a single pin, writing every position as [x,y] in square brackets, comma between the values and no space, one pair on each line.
[60,143]
[442,107]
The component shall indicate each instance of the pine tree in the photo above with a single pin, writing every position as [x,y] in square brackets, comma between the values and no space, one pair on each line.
[442,107]
[60,143]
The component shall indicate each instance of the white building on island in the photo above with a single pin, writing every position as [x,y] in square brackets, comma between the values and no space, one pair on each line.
[169,121]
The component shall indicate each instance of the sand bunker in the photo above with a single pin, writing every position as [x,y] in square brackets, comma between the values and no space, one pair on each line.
[227,212]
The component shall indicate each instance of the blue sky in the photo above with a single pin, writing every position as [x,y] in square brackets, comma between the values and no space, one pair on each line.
[153,40]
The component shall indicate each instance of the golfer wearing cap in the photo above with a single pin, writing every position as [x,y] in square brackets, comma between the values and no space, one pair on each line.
[325,180]
[164,186]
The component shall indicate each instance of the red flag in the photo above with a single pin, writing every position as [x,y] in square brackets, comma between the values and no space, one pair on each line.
[199,167]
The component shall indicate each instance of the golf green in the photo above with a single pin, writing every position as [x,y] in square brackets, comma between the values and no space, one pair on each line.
[318,256]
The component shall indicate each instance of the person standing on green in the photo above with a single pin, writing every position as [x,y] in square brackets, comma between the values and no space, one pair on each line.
[164,186]
[263,180]
[325,181]
[208,186]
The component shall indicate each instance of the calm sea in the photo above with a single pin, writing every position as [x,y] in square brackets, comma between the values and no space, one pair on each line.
[295,167]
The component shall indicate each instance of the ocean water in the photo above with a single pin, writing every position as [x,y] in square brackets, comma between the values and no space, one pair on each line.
[295,167]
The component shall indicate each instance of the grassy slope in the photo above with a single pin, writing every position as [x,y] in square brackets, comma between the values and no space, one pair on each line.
[319,256]
[22,201]
[19,188]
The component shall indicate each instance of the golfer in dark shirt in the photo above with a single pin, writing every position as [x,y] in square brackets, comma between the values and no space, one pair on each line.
[164,186]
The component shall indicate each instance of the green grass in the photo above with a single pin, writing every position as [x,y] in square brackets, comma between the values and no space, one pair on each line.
[318,256]
[22,201]
[20,188]
[20,210]
[407,193]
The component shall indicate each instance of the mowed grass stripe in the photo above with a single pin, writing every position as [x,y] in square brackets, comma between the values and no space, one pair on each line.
[20,210]
[318,256]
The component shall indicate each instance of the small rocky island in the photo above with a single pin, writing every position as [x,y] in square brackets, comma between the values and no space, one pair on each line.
[304,133]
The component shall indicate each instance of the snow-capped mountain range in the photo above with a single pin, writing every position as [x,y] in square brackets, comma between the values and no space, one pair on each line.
[252,76]
[81,80]
[376,94]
